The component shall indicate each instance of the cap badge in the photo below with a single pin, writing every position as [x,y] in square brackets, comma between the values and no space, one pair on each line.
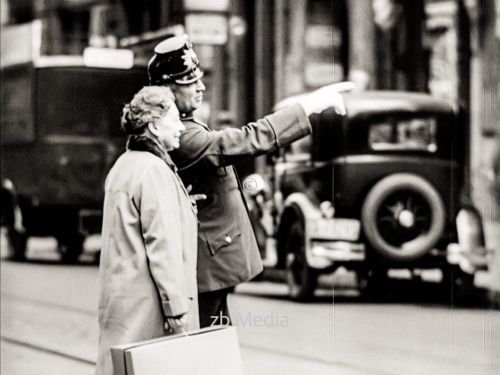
[189,58]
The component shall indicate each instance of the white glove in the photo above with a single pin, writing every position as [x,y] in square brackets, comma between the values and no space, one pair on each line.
[326,97]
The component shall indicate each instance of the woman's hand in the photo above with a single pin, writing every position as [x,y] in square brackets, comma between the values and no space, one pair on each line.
[195,197]
[175,324]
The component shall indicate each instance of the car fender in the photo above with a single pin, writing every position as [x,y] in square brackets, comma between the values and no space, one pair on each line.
[470,254]
[470,229]
[298,206]
[308,209]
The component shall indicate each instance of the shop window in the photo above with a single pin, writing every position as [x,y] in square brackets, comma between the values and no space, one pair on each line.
[74,30]
[324,43]
[107,25]
[19,11]
[314,45]
[151,15]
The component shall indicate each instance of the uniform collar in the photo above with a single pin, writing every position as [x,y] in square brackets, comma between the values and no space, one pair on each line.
[187,116]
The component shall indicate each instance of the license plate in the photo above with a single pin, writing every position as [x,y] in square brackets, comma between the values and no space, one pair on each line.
[335,229]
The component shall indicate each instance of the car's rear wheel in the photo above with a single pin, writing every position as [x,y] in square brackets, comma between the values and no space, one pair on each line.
[403,217]
[301,278]
[372,284]
[459,285]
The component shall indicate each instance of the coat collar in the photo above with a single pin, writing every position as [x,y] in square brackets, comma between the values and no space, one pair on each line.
[143,143]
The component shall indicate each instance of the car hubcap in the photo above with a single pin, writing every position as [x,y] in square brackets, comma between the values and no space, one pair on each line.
[406,219]
[403,217]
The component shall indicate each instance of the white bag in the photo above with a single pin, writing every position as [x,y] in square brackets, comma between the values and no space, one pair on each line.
[208,351]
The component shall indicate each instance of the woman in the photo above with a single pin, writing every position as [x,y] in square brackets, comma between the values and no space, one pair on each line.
[148,261]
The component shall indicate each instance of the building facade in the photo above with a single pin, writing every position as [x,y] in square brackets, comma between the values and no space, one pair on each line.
[258,52]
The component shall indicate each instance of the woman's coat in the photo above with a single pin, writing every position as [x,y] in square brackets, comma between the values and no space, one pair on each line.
[148,261]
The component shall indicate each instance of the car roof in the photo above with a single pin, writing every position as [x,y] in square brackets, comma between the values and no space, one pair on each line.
[379,102]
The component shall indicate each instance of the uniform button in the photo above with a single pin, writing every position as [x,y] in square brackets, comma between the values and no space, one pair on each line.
[228,239]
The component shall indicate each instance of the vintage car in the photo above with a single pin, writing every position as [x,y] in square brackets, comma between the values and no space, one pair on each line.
[61,133]
[379,189]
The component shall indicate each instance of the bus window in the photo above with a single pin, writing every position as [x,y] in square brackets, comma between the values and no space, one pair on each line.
[17,116]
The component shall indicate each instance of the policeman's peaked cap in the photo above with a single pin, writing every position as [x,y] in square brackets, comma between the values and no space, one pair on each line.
[174,62]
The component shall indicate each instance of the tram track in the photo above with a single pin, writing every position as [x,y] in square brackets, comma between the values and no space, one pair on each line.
[46,350]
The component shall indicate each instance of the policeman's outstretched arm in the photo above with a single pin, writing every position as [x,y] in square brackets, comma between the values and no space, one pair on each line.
[290,123]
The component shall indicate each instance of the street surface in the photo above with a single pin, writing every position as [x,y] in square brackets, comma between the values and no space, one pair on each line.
[49,326]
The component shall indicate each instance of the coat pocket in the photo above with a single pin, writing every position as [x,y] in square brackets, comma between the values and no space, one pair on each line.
[224,237]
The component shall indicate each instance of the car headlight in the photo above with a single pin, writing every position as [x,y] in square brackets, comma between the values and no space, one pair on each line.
[327,210]
[255,184]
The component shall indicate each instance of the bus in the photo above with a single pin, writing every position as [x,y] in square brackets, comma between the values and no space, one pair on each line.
[60,134]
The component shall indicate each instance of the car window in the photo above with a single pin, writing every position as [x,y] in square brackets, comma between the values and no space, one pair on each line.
[403,134]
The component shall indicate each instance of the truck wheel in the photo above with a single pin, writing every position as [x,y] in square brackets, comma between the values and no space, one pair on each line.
[403,217]
[17,243]
[70,247]
[301,278]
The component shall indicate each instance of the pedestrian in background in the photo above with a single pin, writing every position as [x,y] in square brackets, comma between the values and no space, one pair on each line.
[227,249]
[148,262]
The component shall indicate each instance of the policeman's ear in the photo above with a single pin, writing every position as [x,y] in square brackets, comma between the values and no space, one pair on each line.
[153,128]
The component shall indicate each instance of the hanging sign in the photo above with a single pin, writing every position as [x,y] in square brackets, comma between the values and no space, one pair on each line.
[20,43]
[207,28]
[206,6]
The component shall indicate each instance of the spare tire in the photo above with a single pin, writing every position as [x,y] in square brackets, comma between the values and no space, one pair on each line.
[403,217]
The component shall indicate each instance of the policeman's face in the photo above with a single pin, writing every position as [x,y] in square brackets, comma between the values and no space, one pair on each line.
[169,129]
[188,97]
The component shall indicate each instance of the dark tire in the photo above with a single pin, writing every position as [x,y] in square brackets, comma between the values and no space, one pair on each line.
[372,285]
[403,217]
[17,244]
[70,247]
[301,278]
[460,286]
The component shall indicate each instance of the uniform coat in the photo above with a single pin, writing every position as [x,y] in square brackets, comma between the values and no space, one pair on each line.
[227,249]
[148,260]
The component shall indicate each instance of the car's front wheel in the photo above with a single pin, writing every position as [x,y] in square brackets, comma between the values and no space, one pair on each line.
[301,278]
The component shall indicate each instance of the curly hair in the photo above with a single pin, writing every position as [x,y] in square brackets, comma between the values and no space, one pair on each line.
[148,105]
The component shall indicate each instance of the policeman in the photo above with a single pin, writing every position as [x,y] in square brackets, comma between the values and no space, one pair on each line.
[227,249]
